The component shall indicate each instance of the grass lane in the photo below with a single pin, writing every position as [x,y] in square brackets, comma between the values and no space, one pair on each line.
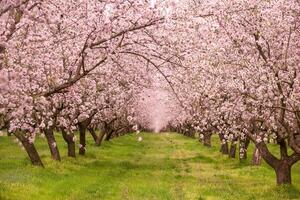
[162,166]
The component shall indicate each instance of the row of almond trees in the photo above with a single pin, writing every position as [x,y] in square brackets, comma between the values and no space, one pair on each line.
[68,66]
[242,81]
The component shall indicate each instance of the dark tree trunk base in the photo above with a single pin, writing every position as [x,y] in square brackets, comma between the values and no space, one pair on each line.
[281,166]
[224,148]
[71,149]
[283,174]
[70,142]
[224,145]
[232,151]
[243,147]
[30,149]
[52,144]
[82,130]
[207,139]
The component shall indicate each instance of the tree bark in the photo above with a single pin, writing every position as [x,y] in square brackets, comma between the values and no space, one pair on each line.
[224,148]
[52,144]
[109,135]
[283,173]
[281,166]
[224,145]
[30,149]
[100,139]
[82,142]
[266,154]
[207,139]
[70,142]
[232,151]
[243,148]
[6,127]
[256,158]
[93,133]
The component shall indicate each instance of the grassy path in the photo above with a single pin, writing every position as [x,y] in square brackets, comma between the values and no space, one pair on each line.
[162,166]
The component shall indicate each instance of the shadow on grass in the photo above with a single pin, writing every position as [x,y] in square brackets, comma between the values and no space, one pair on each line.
[240,164]
[284,191]
[127,165]
[198,158]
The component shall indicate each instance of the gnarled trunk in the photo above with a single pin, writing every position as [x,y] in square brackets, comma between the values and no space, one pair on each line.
[69,138]
[52,144]
[30,149]
[281,166]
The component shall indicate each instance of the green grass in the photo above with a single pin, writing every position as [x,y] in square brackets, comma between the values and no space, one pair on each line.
[162,166]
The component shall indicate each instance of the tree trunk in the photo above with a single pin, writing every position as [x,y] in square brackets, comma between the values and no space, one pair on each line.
[191,133]
[82,142]
[100,139]
[256,159]
[93,133]
[224,148]
[283,173]
[6,127]
[30,149]
[207,139]
[109,135]
[232,150]
[69,138]
[52,144]
[224,145]
[281,166]
[243,147]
